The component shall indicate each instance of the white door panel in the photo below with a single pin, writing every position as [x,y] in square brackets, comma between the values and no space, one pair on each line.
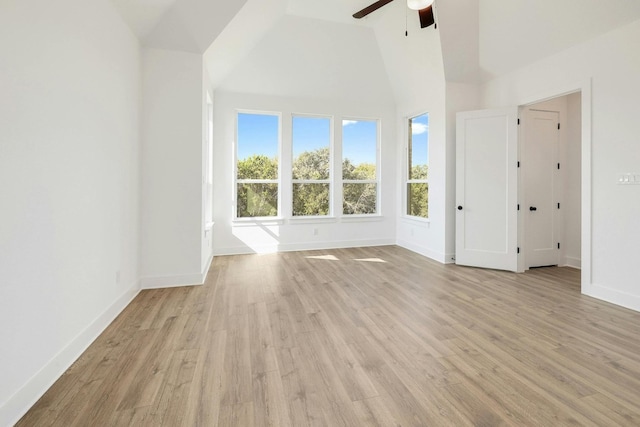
[486,188]
[540,174]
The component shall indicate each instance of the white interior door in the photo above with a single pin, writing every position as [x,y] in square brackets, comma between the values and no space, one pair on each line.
[541,173]
[486,188]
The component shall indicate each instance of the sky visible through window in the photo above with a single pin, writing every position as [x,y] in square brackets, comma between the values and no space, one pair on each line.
[310,134]
[420,140]
[359,141]
[259,133]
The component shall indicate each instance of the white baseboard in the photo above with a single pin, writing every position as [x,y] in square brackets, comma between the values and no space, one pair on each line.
[306,246]
[436,256]
[18,404]
[205,270]
[573,262]
[158,282]
[613,296]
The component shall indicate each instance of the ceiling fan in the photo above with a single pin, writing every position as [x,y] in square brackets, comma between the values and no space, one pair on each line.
[424,8]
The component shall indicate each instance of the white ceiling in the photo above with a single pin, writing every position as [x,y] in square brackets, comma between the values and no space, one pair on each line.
[334,10]
[183,25]
[236,41]
[513,33]
[480,39]
[142,15]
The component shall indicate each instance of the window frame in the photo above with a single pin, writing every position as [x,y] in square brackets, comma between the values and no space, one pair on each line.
[277,181]
[208,166]
[331,181]
[375,181]
[407,165]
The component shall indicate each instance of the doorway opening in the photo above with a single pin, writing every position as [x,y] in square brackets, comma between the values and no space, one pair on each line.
[550,184]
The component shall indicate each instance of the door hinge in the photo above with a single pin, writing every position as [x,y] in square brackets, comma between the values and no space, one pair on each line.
[518,121]
[518,206]
[558,126]
[558,245]
[518,250]
[558,166]
[558,205]
[518,163]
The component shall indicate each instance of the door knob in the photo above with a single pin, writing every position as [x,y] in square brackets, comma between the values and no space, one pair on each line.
[459,208]
[533,208]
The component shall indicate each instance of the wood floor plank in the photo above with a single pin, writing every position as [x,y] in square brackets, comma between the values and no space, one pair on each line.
[151,376]
[269,402]
[353,377]
[99,407]
[374,412]
[237,378]
[240,414]
[303,411]
[168,408]
[131,417]
[321,379]
[263,355]
[203,405]
[375,336]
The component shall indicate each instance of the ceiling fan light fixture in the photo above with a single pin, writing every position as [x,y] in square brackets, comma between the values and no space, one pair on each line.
[419,4]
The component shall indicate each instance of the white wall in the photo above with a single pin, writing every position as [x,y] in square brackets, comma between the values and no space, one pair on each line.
[608,67]
[309,58]
[68,185]
[206,249]
[171,168]
[416,72]
[571,156]
[326,69]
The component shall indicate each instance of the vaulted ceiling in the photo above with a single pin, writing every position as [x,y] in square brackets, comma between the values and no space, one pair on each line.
[514,33]
[184,25]
[480,39]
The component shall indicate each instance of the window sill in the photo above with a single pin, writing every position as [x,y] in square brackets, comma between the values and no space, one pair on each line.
[311,219]
[417,221]
[361,218]
[208,227]
[251,222]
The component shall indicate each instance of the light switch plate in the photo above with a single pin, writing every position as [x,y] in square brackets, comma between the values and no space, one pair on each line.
[628,179]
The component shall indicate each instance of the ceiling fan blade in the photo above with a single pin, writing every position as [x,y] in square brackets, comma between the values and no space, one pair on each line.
[371,8]
[426,17]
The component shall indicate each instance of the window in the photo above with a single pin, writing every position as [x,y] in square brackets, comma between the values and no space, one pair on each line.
[359,167]
[208,167]
[257,168]
[311,167]
[417,188]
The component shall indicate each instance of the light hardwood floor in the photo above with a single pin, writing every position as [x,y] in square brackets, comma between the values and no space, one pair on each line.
[373,336]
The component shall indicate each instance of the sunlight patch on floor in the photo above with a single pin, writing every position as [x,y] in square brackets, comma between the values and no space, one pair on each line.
[370,260]
[326,257]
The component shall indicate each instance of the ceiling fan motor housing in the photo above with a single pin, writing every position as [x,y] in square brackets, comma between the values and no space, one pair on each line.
[424,8]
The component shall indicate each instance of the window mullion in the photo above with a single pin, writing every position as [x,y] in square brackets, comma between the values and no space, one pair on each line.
[359,181]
